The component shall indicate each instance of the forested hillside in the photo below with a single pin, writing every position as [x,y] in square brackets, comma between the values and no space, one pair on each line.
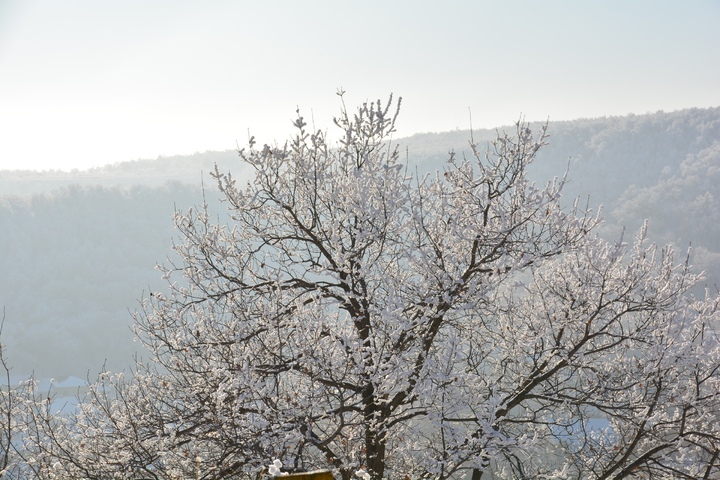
[79,248]
[663,167]
[74,261]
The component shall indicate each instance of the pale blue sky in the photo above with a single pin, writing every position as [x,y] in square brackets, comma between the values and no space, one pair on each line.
[86,82]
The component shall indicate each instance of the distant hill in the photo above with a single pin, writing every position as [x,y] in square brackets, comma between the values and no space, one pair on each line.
[78,249]
[605,156]
[663,167]
[185,169]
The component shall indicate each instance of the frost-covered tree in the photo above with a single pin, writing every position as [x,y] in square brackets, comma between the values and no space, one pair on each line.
[7,408]
[349,314]
[18,406]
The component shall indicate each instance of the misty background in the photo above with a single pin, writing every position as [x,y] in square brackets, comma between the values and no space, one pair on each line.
[85,83]
[78,248]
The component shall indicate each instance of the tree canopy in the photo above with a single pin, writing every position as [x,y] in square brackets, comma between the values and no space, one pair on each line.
[351,314]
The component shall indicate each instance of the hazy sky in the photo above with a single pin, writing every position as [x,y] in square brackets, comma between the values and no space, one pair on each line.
[87,82]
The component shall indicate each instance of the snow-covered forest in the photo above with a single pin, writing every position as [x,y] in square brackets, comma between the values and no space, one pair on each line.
[79,248]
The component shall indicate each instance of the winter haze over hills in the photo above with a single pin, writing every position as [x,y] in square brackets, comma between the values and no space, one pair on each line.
[79,248]
[86,83]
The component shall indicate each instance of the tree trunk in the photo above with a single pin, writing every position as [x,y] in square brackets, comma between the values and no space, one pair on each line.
[375,444]
[375,438]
